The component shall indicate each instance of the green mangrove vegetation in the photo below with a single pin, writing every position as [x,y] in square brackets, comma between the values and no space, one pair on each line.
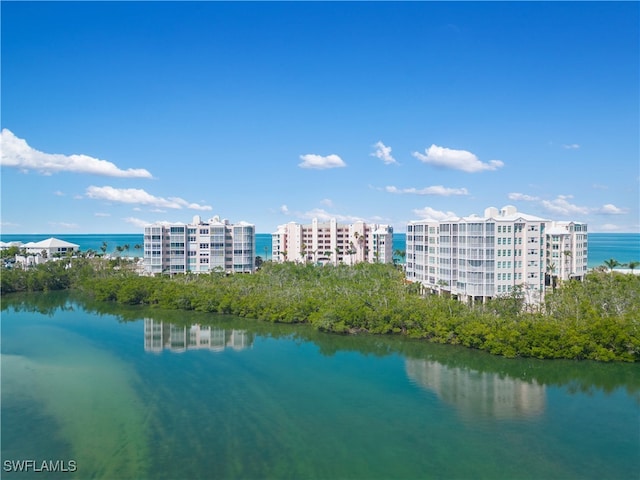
[597,319]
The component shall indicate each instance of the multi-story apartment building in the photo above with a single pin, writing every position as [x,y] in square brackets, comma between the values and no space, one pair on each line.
[215,245]
[474,258]
[333,242]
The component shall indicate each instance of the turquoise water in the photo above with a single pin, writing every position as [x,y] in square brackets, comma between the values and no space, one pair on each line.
[141,393]
[86,241]
[624,247]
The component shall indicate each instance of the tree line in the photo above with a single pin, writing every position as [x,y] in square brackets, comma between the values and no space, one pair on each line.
[598,318]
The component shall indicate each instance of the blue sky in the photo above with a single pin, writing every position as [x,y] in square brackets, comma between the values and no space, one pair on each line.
[117,114]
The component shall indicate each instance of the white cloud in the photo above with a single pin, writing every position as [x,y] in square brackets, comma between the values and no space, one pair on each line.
[137,222]
[571,146]
[429,213]
[100,214]
[139,196]
[609,227]
[9,224]
[58,193]
[383,153]
[284,210]
[433,190]
[456,159]
[327,202]
[561,206]
[65,225]
[318,162]
[610,209]
[144,223]
[18,154]
[522,197]
[324,216]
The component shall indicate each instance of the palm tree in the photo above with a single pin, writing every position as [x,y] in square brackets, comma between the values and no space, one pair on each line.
[103,247]
[125,247]
[633,265]
[351,251]
[567,261]
[611,264]
[400,253]
[551,268]
[137,246]
[442,284]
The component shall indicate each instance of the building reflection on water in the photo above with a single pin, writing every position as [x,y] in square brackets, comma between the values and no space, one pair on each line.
[479,393]
[159,336]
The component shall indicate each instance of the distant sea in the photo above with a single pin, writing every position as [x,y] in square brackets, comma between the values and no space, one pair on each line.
[624,247]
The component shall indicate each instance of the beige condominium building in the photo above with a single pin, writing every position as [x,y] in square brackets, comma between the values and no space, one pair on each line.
[333,242]
[475,258]
[200,247]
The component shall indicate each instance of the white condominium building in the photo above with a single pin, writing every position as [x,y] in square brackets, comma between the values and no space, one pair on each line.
[333,242]
[200,247]
[475,258]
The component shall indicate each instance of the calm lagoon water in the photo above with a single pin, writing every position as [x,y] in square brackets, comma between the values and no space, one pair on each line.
[144,393]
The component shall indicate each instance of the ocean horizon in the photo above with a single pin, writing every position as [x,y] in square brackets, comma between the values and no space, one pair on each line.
[623,247]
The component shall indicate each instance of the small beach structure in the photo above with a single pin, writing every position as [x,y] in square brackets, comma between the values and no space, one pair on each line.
[51,247]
